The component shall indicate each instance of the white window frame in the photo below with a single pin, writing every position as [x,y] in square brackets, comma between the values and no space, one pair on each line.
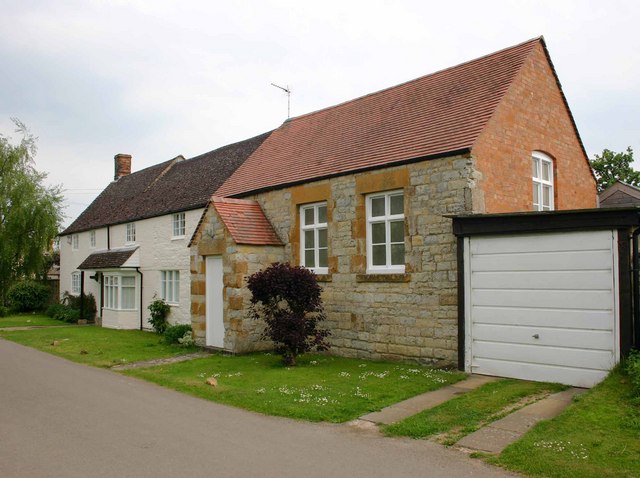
[75,283]
[92,239]
[130,234]
[316,227]
[387,219]
[540,184]
[178,225]
[114,288]
[170,286]
[75,242]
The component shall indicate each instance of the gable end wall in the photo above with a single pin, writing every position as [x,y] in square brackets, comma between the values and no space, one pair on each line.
[532,117]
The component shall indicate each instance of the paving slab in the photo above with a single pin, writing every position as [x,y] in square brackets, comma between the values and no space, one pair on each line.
[491,440]
[399,411]
[161,361]
[496,436]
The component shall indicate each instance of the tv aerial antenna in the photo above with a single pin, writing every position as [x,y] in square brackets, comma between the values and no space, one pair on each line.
[287,90]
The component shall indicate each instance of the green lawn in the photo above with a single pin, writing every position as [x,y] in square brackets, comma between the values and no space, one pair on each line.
[598,436]
[97,346]
[465,414]
[319,388]
[26,320]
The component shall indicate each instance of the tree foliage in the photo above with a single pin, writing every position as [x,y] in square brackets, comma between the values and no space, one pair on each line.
[288,299]
[611,167]
[30,211]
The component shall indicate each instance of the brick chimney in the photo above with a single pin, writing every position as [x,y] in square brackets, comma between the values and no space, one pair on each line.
[122,165]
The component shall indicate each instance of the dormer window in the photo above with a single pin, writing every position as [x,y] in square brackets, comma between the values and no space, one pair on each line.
[542,182]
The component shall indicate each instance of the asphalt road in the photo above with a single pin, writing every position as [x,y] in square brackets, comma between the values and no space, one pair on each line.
[60,419]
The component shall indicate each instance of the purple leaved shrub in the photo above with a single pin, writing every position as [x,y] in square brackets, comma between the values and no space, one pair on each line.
[288,299]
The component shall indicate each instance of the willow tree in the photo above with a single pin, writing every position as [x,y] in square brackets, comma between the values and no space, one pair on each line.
[30,211]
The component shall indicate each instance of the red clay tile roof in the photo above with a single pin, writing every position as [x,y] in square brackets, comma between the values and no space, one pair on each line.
[428,117]
[175,185]
[246,221]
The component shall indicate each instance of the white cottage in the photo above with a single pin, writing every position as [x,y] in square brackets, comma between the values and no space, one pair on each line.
[130,244]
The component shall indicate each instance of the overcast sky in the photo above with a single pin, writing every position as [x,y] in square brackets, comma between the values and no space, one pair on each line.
[160,78]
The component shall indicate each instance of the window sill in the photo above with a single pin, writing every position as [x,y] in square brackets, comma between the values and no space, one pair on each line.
[177,238]
[324,278]
[399,277]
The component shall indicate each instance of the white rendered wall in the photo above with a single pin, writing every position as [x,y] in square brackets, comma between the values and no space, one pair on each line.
[158,251]
[70,260]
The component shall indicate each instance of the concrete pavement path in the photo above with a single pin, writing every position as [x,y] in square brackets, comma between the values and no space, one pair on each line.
[60,419]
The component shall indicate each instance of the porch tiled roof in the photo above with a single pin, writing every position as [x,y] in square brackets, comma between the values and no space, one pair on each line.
[441,113]
[111,259]
[246,221]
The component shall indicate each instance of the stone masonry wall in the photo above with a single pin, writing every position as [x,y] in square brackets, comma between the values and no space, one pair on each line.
[411,316]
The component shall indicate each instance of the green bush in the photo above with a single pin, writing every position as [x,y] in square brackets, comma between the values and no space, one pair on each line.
[54,309]
[4,311]
[28,296]
[63,312]
[159,310]
[174,333]
[187,339]
[73,301]
[632,368]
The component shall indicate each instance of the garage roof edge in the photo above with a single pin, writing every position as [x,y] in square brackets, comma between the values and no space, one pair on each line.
[578,219]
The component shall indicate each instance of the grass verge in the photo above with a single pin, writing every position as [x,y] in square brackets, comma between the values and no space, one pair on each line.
[95,345]
[597,436]
[460,416]
[319,388]
[28,320]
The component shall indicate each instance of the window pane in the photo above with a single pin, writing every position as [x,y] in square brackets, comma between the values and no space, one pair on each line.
[128,297]
[379,254]
[309,258]
[397,231]
[322,238]
[397,254]
[546,170]
[378,233]
[322,214]
[536,194]
[309,241]
[546,196]
[323,260]
[377,207]
[397,204]
[128,281]
[535,164]
[308,216]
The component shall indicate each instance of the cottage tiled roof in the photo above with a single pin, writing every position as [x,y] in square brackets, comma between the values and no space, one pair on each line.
[175,185]
[107,259]
[246,221]
[441,113]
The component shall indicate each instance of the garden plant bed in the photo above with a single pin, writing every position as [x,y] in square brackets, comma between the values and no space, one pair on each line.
[97,346]
[319,388]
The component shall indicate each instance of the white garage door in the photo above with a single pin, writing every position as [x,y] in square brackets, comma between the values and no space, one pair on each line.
[542,306]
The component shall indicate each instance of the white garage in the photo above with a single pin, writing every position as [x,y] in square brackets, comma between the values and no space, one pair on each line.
[543,305]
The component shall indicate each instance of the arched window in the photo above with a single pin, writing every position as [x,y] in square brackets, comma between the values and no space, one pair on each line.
[542,182]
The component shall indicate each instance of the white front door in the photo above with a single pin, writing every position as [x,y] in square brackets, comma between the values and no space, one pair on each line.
[214,302]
